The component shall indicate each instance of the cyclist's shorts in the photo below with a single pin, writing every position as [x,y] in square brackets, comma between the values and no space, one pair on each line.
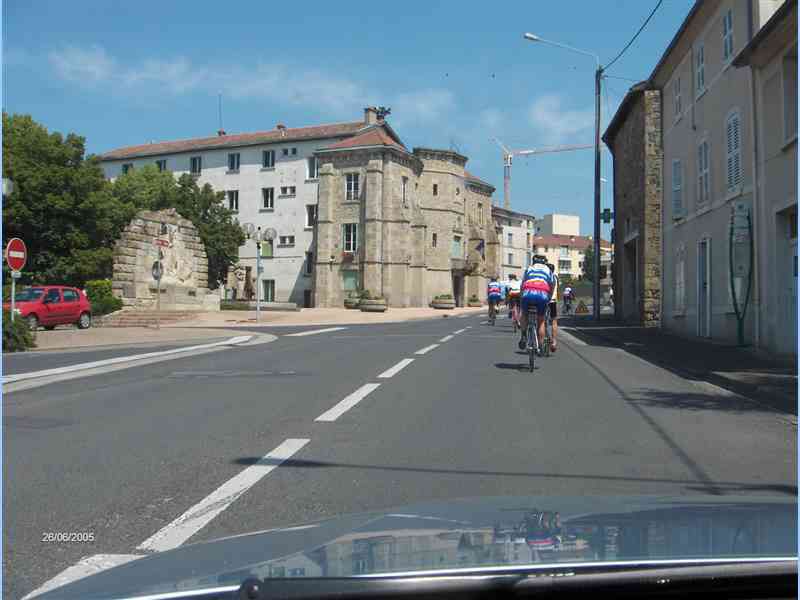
[495,297]
[537,298]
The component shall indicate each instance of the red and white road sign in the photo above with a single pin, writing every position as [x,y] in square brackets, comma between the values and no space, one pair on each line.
[16,254]
[162,243]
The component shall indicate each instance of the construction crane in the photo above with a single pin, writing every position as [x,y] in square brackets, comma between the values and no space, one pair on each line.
[508,156]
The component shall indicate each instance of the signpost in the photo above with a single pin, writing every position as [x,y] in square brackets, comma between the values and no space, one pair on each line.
[740,252]
[16,257]
[158,271]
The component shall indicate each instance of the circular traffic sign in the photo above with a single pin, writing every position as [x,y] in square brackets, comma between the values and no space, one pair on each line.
[16,254]
[158,270]
[270,234]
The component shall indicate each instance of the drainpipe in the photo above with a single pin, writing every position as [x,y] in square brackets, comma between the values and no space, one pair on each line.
[755,215]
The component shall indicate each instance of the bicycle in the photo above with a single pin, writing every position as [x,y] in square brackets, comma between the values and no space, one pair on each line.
[548,332]
[515,315]
[533,336]
[492,313]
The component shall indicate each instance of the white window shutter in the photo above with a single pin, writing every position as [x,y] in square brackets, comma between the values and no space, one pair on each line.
[677,180]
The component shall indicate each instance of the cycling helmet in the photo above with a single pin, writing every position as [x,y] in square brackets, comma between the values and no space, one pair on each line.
[538,259]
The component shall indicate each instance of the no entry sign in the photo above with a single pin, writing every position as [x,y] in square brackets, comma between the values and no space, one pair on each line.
[16,254]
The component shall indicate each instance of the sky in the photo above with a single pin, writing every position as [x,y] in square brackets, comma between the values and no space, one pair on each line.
[456,74]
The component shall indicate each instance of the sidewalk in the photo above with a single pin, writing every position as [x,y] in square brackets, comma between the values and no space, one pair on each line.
[95,337]
[319,316]
[771,381]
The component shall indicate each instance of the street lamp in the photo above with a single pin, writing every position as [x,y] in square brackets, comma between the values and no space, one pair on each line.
[598,74]
[257,235]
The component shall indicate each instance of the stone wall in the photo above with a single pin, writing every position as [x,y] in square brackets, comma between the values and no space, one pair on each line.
[184,284]
[652,259]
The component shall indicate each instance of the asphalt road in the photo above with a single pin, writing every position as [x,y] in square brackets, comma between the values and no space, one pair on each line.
[124,454]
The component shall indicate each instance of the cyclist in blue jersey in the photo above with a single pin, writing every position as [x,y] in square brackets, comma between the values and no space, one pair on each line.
[537,289]
[494,294]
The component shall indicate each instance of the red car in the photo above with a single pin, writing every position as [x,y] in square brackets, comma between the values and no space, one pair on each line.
[51,305]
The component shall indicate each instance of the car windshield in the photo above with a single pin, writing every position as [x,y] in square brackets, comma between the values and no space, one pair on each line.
[487,286]
[29,294]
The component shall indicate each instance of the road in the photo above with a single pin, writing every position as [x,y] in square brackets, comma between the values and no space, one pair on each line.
[456,414]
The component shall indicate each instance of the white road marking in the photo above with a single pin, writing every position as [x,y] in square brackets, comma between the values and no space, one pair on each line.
[201,514]
[572,339]
[88,565]
[447,338]
[484,322]
[348,403]
[426,349]
[396,369]
[120,359]
[460,331]
[314,332]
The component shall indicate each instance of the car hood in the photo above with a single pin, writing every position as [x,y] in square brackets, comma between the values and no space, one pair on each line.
[506,532]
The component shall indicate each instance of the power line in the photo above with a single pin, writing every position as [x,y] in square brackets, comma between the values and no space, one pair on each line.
[623,78]
[633,39]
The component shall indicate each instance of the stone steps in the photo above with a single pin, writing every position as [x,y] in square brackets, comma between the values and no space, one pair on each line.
[142,318]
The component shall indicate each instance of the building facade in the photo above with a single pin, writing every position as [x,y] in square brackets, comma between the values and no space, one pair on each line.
[270,179]
[707,133]
[772,59]
[555,224]
[634,138]
[515,231]
[567,254]
[405,226]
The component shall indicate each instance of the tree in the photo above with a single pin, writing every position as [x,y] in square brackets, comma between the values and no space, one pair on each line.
[60,205]
[588,262]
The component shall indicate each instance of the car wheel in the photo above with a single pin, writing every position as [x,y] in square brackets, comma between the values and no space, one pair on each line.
[33,322]
[49,327]
[85,321]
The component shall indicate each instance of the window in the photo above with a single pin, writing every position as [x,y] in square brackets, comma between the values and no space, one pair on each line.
[268,198]
[680,282]
[700,69]
[459,222]
[480,213]
[309,263]
[268,159]
[435,189]
[677,189]
[727,35]
[676,91]
[510,239]
[528,258]
[564,251]
[286,152]
[267,248]
[349,281]
[127,168]
[269,290]
[703,189]
[455,249]
[404,184]
[161,165]
[233,200]
[233,162]
[733,151]
[350,235]
[311,215]
[564,266]
[352,190]
[196,165]
[294,151]
[510,259]
[434,240]
[297,572]
[53,296]
[286,240]
[789,66]
[313,172]
[70,296]
[288,190]
[527,240]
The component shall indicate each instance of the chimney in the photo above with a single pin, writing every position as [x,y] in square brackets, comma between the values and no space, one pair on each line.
[220,132]
[282,128]
[371,115]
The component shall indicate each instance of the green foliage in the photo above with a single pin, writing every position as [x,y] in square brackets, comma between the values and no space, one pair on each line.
[103,301]
[474,298]
[588,263]
[444,297]
[364,295]
[17,337]
[60,206]
[234,305]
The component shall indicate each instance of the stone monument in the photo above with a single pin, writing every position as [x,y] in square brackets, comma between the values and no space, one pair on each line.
[184,283]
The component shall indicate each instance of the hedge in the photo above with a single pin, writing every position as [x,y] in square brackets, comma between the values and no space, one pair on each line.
[17,337]
[103,301]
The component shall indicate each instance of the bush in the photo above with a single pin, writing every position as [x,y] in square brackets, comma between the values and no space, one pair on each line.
[364,295]
[101,298]
[16,335]
[444,297]
[234,305]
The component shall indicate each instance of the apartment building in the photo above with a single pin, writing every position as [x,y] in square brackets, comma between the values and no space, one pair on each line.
[270,179]
[567,253]
[516,231]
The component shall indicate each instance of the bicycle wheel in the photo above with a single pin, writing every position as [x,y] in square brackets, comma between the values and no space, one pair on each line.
[533,342]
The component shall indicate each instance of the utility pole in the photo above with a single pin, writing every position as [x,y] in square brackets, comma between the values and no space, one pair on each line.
[598,76]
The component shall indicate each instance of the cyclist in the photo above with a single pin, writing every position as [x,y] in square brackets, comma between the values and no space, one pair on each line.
[513,294]
[554,307]
[568,298]
[537,287]
[494,294]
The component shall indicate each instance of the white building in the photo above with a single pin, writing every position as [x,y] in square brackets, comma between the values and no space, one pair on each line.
[269,179]
[555,224]
[516,231]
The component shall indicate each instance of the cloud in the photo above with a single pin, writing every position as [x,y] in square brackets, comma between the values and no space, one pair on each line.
[557,124]
[83,65]
[491,118]
[423,105]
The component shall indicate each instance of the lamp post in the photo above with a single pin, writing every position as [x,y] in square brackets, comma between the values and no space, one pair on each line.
[598,75]
[256,235]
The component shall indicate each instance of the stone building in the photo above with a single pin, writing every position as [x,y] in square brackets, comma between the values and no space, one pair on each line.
[406,226]
[634,138]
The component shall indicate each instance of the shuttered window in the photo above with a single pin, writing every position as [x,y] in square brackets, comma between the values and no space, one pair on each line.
[733,151]
[677,189]
[703,175]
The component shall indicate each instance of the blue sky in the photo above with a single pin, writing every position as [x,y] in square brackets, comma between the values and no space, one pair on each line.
[455,74]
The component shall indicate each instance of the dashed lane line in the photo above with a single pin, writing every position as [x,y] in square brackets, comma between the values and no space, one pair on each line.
[314,332]
[447,338]
[426,349]
[396,369]
[348,403]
